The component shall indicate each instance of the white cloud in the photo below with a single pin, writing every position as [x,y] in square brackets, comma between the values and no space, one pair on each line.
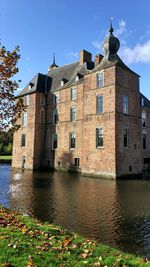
[121,28]
[140,53]
[73,55]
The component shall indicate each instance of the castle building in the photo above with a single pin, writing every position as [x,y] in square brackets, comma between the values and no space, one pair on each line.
[88,116]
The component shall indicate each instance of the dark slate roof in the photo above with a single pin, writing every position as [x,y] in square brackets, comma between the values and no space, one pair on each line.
[39,83]
[146,100]
[112,60]
[67,73]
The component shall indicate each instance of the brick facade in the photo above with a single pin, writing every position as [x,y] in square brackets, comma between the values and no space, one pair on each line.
[119,126]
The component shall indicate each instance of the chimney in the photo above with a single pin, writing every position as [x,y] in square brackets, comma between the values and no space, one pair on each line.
[98,59]
[85,56]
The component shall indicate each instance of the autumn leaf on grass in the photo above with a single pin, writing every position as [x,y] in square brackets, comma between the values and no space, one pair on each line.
[30,262]
[84,255]
[67,242]
[24,230]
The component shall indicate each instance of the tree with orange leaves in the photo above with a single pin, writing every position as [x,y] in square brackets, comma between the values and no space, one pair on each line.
[10,109]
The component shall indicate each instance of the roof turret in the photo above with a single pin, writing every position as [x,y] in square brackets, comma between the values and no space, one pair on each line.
[53,66]
[111,43]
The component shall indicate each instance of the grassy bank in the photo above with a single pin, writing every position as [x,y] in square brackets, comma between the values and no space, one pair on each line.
[4,157]
[27,242]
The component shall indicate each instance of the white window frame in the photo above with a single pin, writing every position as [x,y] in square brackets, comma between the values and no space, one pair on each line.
[127,131]
[125,104]
[72,117]
[100,79]
[72,135]
[26,100]
[101,135]
[99,104]
[55,113]
[74,93]
[24,118]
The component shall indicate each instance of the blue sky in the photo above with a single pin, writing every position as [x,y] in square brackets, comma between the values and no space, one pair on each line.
[66,27]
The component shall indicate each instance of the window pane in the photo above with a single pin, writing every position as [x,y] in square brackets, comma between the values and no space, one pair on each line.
[26,99]
[54,144]
[100,79]
[23,140]
[99,104]
[77,162]
[125,138]
[125,104]
[72,140]
[144,141]
[56,98]
[55,116]
[99,137]
[24,118]
[73,114]
[73,93]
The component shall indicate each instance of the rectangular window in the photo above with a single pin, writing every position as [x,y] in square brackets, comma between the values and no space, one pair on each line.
[73,114]
[56,98]
[144,141]
[125,138]
[142,101]
[100,79]
[125,104]
[54,141]
[99,104]
[23,140]
[77,162]
[55,116]
[26,100]
[24,119]
[73,93]
[72,140]
[99,137]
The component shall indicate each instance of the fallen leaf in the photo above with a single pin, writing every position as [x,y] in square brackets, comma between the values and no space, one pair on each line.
[24,230]
[84,255]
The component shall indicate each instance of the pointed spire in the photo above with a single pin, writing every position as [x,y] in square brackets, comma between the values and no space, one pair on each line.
[111,28]
[54,59]
[53,66]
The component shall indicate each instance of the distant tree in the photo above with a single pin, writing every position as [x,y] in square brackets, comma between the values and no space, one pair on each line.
[1,148]
[10,109]
[8,149]
[6,138]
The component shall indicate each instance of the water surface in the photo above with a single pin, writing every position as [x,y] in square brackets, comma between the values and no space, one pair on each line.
[114,212]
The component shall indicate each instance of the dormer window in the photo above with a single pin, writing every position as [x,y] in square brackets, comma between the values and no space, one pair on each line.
[63,81]
[78,76]
[31,85]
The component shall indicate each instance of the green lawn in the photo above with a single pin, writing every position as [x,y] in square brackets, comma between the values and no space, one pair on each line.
[25,242]
[5,157]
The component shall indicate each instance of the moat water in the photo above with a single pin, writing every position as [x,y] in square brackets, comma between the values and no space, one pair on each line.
[113,212]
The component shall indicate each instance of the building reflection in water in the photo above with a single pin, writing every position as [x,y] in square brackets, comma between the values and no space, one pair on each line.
[114,212]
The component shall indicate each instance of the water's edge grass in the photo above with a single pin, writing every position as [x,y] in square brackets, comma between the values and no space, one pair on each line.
[5,159]
[25,241]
